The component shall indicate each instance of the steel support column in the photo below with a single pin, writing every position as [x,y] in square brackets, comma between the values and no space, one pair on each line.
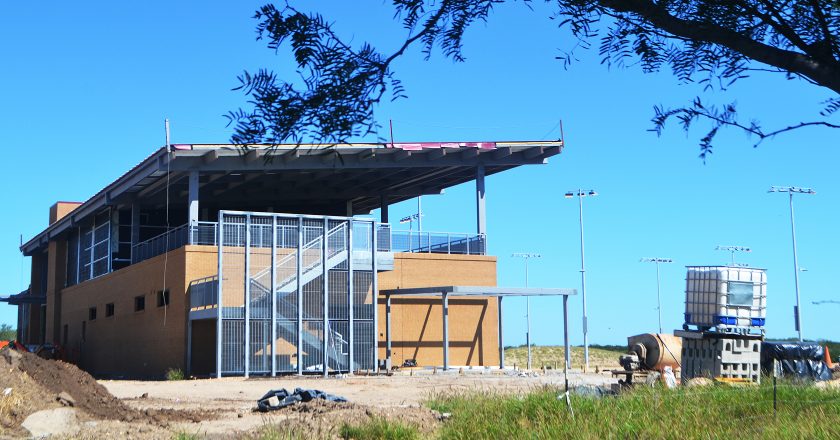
[501,339]
[375,294]
[135,232]
[351,338]
[247,294]
[566,352]
[219,308]
[273,295]
[481,208]
[192,200]
[383,208]
[298,268]
[325,248]
[445,313]
[388,360]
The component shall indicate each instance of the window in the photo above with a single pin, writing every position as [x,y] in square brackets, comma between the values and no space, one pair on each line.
[163,298]
[109,309]
[92,314]
[740,293]
[139,303]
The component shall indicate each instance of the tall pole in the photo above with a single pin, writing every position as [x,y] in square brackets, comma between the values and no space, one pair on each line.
[658,299]
[581,194]
[797,311]
[527,256]
[658,290]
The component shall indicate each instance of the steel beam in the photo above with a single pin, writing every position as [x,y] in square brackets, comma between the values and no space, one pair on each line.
[501,339]
[480,203]
[326,286]
[247,294]
[445,314]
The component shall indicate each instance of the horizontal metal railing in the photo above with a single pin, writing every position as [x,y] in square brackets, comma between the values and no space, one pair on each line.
[204,292]
[387,240]
[438,242]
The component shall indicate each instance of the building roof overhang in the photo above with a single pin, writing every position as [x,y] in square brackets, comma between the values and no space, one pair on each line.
[365,174]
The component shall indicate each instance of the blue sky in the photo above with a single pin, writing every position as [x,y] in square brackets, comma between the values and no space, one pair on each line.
[85,89]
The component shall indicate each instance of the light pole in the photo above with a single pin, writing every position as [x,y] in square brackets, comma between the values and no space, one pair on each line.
[732,250]
[791,190]
[580,195]
[527,256]
[658,295]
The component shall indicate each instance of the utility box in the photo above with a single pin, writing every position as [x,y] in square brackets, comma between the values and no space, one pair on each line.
[720,356]
[725,297]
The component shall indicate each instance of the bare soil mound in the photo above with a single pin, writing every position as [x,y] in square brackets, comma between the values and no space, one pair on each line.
[38,384]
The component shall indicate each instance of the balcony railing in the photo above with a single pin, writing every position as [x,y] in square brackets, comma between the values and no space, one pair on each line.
[438,242]
[387,240]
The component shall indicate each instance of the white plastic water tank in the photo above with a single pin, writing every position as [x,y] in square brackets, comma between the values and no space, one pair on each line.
[725,296]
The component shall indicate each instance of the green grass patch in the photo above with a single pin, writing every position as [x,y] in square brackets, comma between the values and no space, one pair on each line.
[710,412]
[174,374]
[380,429]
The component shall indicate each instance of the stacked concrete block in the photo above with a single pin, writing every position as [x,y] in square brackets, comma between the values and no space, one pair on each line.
[721,356]
[724,323]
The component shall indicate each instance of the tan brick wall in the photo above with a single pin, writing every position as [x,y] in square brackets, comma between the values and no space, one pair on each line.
[417,327]
[146,343]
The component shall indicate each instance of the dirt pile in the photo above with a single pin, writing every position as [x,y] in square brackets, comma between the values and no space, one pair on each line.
[35,384]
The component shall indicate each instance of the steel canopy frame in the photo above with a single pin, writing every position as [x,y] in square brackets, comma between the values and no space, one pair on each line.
[499,292]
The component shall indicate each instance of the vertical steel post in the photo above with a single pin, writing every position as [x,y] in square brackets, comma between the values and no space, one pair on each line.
[189,345]
[192,201]
[135,231]
[325,248]
[375,294]
[501,339]
[351,338]
[797,311]
[219,308]
[527,316]
[658,298]
[583,285]
[273,295]
[481,206]
[567,354]
[388,359]
[383,208]
[247,294]
[298,277]
[445,313]
[419,214]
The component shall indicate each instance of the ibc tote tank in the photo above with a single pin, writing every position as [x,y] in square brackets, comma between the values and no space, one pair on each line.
[725,297]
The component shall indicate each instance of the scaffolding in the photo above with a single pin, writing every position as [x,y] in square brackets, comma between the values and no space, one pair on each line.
[295,294]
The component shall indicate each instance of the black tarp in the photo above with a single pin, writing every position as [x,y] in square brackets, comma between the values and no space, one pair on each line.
[797,359]
[276,399]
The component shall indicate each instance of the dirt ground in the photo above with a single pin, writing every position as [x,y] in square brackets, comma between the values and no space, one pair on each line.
[398,397]
[40,397]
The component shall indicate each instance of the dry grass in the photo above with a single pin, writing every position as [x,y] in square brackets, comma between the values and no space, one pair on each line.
[551,356]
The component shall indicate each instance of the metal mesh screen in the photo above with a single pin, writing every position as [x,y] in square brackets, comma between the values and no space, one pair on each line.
[283,278]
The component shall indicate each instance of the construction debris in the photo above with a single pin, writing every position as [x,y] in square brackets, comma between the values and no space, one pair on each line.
[278,399]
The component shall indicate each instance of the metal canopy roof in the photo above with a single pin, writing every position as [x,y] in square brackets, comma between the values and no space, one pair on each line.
[24,298]
[480,291]
[314,178]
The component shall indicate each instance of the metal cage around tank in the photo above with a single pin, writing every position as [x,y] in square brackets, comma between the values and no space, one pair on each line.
[295,294]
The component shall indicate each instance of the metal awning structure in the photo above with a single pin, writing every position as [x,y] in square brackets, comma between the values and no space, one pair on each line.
[483,291]
[24,298]
[344,179]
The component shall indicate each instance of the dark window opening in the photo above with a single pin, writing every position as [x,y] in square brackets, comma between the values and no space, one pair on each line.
[92,314]
[139,303]
[109,309]
[163,298]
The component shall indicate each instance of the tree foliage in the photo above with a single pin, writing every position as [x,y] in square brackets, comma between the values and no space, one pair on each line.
[710,43]
[7,333]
